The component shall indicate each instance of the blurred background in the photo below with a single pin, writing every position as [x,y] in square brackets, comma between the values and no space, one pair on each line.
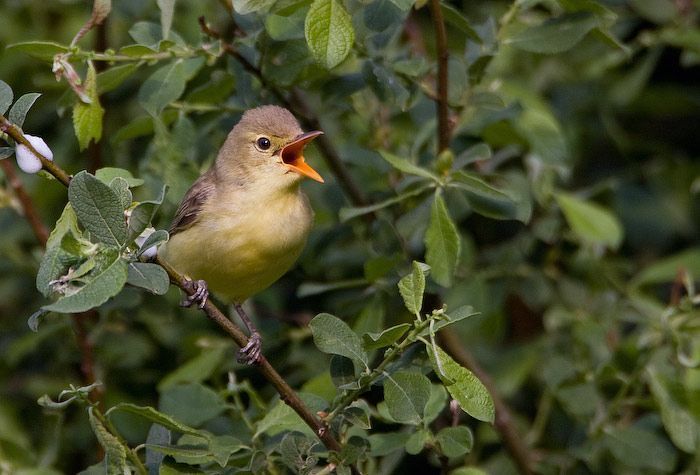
[590,335]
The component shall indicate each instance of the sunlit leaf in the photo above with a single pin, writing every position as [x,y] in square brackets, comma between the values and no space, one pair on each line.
[329,32]
[442,244]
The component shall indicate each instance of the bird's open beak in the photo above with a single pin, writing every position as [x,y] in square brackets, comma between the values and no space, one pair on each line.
[293,158]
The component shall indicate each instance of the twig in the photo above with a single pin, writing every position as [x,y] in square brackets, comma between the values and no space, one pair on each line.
[30,213]
[99,45]
[443,56]
[13,131]
[513,441]
[298,105]
[287,394]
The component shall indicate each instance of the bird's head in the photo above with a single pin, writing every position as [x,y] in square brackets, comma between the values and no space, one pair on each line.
[267,146]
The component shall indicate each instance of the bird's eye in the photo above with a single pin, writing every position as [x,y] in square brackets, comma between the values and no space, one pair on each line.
[263,143]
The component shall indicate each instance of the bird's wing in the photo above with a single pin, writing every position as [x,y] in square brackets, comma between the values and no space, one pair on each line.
[192,204]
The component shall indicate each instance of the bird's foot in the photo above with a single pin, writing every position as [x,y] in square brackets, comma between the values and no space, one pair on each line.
[199,295]
[251,353]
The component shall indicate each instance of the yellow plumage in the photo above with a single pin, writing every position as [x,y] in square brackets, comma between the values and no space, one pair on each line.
[244,222]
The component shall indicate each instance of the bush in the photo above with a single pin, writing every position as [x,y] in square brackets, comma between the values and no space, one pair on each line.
[502,269]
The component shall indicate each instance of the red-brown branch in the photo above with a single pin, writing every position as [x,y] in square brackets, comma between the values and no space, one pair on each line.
[443,56]
[40,231]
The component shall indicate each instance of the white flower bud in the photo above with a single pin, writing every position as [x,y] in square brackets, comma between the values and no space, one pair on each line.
[151,252]
[26,160]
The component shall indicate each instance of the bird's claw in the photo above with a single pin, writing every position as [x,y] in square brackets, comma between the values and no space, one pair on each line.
[200,294]
[251,353]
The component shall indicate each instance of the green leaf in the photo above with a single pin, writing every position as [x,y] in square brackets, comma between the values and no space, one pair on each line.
[147,34]
[412,287]
[415,443]
[35,318]
[455,441]
[406,394]
[98,209]
[334,336]
[151,277]
[115,451]
[342,371]
[666,269]
[142,214]
[55,259]
[217,449]
[442,244]
[113,77]
[136,50]
[167,9]
[158,417]
[372,341]
[195,370]
[641,449]
[484,198]
[18,111]
[470,393]
[285,27]
[329,32]
[455,18]
[244,7]
[436,403]
[283,418]
[105,281]
[43,50]
[681,426]
[167,84]
[192,403]
[87,118]
[6,152]
[387,443]
[6,97]
[107,174]
[592,223]
[346,214]
[555,35]
[450,318]
[405,166]
[121,188]
[156,238]
[358,414]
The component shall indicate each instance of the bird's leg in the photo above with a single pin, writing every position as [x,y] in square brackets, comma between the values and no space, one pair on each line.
[249,354]
[200,293]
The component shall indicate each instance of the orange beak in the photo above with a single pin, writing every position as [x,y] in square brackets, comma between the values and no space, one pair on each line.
[293,158]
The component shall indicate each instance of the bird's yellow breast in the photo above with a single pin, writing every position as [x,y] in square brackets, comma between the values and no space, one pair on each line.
[243,242]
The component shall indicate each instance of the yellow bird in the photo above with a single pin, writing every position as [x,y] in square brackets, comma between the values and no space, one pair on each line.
[245,221]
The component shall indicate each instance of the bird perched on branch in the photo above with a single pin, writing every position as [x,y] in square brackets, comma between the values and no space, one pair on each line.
[244,222]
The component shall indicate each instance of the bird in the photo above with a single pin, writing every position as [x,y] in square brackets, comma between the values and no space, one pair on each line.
[245,221]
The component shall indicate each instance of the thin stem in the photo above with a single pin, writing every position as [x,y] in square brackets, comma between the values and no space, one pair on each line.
[13,131]
[40,231]
[443,56]
[130,454]
[504,424]
[391,354]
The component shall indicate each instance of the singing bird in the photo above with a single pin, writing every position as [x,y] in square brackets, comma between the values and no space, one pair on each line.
[245,221]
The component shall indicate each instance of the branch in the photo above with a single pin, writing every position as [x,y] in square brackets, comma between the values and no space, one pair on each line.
[13,131]
[30,213]
[443,56]
[286,393]
[513,441]
[298,106]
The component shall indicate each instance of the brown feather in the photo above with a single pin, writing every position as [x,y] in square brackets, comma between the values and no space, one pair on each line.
[188,212]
